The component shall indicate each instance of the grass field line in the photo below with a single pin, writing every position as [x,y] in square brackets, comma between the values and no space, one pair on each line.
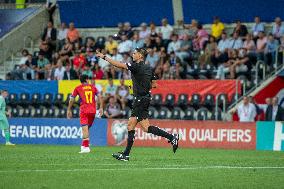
[135,169]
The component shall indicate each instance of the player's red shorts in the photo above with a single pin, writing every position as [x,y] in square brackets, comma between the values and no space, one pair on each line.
[87,119]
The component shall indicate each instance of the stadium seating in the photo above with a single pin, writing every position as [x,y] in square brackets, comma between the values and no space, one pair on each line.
[170,100]
[195,100]
[189,114]
[12,100]
[202,114]
[157,100]
[182,100]
[36,100]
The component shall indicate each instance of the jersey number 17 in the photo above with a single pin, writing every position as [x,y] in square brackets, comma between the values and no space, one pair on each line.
[89,95]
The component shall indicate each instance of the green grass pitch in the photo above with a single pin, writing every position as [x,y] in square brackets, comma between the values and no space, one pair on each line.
[57,167]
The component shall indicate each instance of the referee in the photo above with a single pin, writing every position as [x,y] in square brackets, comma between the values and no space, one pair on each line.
[143,80]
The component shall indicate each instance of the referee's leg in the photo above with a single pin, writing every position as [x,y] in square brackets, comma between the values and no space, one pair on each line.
[131,135]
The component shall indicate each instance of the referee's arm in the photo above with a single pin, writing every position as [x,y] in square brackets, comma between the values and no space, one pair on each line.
[111,61]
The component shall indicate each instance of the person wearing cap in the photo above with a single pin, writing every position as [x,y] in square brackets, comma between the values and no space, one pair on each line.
[144,32]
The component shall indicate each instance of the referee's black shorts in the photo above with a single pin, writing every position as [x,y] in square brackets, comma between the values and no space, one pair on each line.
[140,108]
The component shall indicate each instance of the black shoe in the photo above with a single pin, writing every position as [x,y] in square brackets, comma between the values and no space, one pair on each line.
[174,142]
[120,156]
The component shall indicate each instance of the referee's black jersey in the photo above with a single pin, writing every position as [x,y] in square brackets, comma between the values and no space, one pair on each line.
[142,76]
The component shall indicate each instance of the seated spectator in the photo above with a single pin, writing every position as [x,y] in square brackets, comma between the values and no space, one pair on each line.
[185,50]
[113,109]
[104,65]
[49,72]
[241,29]
[153,33]
[224,67]
[59,71]
[70,73]
[122,93]
[217,28]
[278,28]
[200,39]
[24,57]
[125,45]
[246,111]
[137,42]
[42,62]
[144,32]
[91,58]
[219,58]
[110,89]
[224,42]
[249,44]
[90,44]
[148,44]
[257,27]
[79,61]
[270,50]
[98,72]
[87,71]
[177,71]
[166,71]
[241,64]
[173,60]
[260,46]
[128,30]
[116,56]
[110,44]
[174,45]
[158,45]
[49,36]
[152,58]
[166,31]
[73,34]
[236,42]
[274,112]
[45,50]
[30,67]
[62,35]
[66,51]
[192,28]
[120,31]
[210,48]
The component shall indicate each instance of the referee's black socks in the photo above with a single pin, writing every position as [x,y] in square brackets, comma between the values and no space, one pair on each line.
[159,132]
[130,141]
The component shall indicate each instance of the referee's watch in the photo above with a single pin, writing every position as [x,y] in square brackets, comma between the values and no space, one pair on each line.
[104,57]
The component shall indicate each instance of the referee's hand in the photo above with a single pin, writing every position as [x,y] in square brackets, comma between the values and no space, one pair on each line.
[99,54]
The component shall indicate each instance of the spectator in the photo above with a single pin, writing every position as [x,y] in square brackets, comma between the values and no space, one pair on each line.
[184,51]
[45,50]
[274,112]
[174,45]
[241,64]
[91,58]
[90,44]
[98,72]
[125,45]
[166,31]
[158,45]
[24,57]
[87,71]
[66,51]
[69,73]
[51,7]
[104,65]
[110,44]
[177,71]
[49,72]
[62,35]
[166,71]
[257,27]
[192,28]
[73,34]
[246,111]
[79,61]
[59,71]
[224,66]
[42,61]
[49,36]
[122,93]
[113,109]
[120,31]
[219,58]
[278,28]
[217,28]
[174,59]
[200,39]
[153,33]
[241,29]
[205,58]
[152,58]
[30,68]
[137,42]
[110,89]
[128,30]
[249,44]
[236,42]
[224,43]
[144,32]
[260,45]
[270,50]
[116,56]
[148,44]
[263,107]
[257,108]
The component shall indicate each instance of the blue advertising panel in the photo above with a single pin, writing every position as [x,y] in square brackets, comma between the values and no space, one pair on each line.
[54,131]
[270,136]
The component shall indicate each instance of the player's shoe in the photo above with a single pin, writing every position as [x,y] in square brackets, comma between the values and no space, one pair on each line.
[10,144]
[120,156]
[85,150]
[174,142]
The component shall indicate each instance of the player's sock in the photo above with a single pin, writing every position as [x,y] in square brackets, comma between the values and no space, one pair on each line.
[85,143]
[157,131]
[7,135]
[130,141]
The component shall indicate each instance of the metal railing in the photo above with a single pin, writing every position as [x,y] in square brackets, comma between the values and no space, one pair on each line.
[31,42]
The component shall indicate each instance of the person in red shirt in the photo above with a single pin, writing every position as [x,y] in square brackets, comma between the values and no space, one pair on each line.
[87,93]
[79,61]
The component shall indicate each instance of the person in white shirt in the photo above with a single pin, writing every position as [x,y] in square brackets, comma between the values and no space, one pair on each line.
[236,42]
[125,45]
[61,36]
[224,43]
[246,111]
[174,45]
[166,30]
[144,32]
[59,71]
